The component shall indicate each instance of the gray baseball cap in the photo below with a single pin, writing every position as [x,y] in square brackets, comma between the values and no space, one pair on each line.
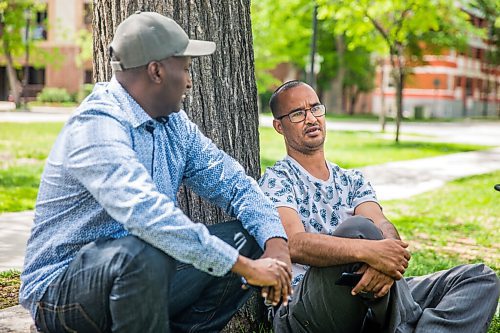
[147,36]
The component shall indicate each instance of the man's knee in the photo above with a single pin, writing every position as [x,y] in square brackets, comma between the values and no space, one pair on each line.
[485,276]
[133,254]
[358,227]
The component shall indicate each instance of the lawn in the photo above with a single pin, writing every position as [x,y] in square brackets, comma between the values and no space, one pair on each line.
[24,147]
[356,149]
[23,150]
[451,225]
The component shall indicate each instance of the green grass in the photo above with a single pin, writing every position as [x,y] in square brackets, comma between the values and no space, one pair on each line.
[9,288]
[27,141]
[23,150]
[19,187]
[357,149]
[453,224]
[24,147]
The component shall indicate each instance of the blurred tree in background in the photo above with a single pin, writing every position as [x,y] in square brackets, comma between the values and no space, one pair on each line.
[18,38]
[354,35]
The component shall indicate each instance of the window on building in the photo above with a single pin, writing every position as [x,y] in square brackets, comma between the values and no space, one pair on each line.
[35,75]
[468,87]
[39,29]
[478,53]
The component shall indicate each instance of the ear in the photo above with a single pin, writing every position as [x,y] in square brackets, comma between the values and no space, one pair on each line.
[278,126]
[155,70]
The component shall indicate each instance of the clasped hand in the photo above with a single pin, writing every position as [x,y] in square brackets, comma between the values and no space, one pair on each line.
[275,267]
[373,281]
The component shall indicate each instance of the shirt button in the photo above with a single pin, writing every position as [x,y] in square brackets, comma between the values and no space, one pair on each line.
[210,269]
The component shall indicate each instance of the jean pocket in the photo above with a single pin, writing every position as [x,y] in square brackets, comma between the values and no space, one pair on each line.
[69,318]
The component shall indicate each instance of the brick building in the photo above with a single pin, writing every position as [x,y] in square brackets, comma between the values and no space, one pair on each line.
[56,28]
[451,85]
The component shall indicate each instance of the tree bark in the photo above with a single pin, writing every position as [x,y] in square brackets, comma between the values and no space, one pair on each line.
[381,118]
[338,80]
[14,83]
[223,101]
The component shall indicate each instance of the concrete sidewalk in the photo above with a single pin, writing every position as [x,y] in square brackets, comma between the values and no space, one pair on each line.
[391,181]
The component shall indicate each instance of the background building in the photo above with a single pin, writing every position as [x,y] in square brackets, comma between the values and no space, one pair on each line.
[57,28]
[451,85]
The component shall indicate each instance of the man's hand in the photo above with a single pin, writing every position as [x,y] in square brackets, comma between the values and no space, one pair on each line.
[266,272]
[388,256]
[373,281]
[277,248]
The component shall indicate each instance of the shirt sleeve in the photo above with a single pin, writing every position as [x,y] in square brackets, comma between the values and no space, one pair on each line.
[361,189]
[277,187]
[219,178]
[100,156]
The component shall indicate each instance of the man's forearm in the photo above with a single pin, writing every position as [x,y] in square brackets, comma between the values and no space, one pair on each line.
[388,256]
[324,250]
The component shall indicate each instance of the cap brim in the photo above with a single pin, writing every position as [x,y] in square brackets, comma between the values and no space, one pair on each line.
[198,48]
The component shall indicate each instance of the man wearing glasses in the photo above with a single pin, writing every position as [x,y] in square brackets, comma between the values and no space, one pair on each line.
[348,259]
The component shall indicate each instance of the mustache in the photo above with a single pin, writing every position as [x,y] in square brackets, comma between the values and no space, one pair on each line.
[313,127]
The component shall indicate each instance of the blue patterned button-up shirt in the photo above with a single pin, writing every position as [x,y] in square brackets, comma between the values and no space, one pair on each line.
[114,171]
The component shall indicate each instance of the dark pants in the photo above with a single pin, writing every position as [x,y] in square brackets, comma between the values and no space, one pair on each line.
[126,285]
[462,299]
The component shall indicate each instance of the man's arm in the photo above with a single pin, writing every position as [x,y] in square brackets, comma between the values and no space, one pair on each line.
[388,255]
[217,177]
[372,210]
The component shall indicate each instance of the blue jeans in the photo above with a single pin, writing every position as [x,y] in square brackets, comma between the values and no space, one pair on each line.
[126,285]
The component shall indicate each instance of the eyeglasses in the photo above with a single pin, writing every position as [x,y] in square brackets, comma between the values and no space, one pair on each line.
[297,116]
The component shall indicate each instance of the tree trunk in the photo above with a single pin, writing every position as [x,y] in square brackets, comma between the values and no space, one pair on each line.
[14,83]
[399,100]
[398,75]
[338,80]
[223,100]
[381,118]
[353,98]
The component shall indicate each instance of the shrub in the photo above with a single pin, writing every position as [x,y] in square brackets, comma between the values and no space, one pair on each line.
[53,95]
[85,90]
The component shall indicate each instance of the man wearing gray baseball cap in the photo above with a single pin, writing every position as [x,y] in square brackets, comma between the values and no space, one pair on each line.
[110,250]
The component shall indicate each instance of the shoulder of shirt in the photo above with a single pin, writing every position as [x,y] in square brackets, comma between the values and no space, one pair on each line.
[100,103]
[280,166]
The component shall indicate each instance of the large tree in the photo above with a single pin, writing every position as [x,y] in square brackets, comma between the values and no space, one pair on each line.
[223,101]
[282,34]
[407,29]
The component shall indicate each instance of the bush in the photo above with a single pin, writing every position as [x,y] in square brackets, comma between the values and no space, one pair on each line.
[54,95]
[85,91]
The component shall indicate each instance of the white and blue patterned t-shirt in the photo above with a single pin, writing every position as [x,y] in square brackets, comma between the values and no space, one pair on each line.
[321,205]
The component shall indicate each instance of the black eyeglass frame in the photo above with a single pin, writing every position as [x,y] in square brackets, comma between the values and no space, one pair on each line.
[304,111]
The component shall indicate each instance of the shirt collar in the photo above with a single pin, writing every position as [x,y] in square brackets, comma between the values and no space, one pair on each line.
[136,113]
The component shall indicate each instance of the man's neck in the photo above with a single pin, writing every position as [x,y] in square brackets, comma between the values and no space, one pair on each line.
[314,163]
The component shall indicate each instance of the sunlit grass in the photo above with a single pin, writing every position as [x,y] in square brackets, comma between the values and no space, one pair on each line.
[459,221]
[357,149]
